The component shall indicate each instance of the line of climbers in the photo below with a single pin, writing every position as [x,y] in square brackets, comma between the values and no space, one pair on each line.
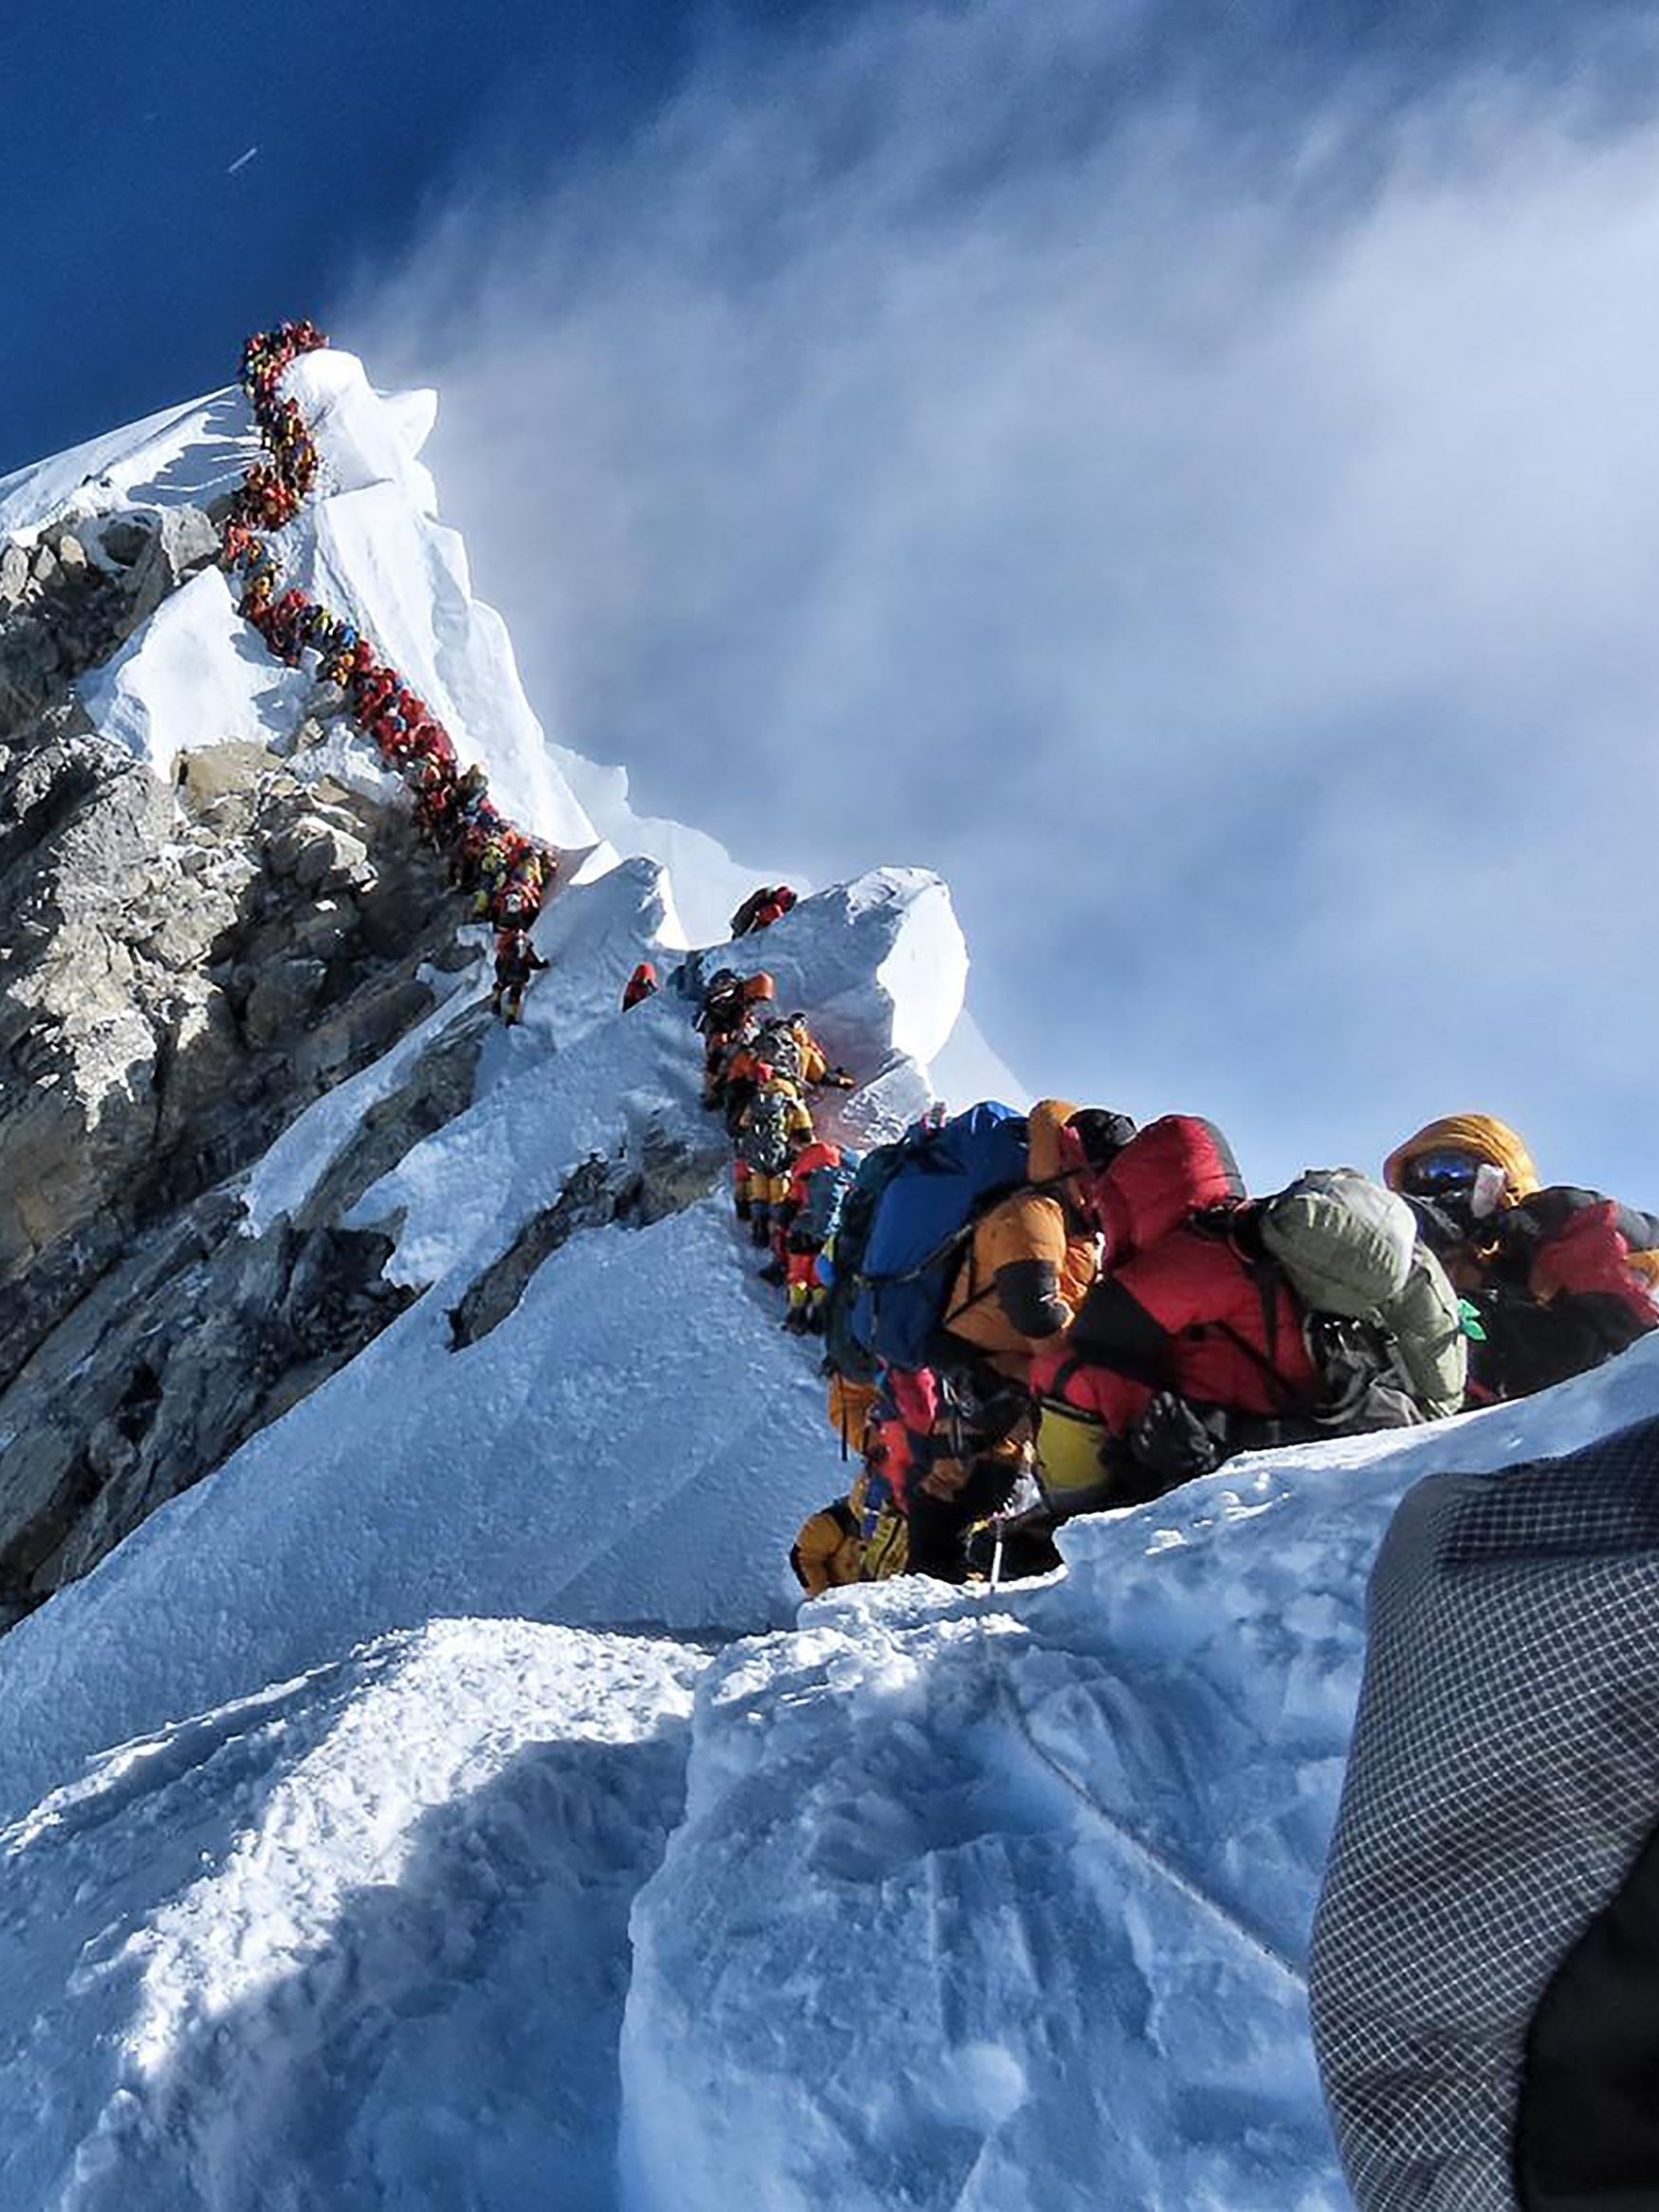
[787,1184]
[507,873]
[1028,1318]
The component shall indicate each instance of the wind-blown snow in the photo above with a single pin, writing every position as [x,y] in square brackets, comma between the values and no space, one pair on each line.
[394,1893]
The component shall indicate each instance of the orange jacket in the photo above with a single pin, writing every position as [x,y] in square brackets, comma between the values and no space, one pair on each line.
[1033,1256]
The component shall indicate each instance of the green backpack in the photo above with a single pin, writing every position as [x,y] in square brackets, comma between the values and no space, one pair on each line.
[1350,1250]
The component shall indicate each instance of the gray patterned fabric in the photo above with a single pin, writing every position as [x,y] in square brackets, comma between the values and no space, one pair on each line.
[1505,1775]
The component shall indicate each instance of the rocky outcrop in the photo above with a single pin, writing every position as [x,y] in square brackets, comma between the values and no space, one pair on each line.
[184,1349]
[632,1189]
[70,598]
[175,986]
[182,972]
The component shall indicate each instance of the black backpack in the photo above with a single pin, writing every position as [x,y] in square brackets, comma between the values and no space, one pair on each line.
[722,1002]
[778,1046]
[766,1142]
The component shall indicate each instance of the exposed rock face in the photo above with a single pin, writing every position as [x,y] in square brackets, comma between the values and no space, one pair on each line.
[180,1352]
[182,972]
[71,598]
[634,1191]
[173,988]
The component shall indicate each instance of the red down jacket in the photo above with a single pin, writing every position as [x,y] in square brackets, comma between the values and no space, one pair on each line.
[1191,1315]
[1179,1306]
[1168,1172]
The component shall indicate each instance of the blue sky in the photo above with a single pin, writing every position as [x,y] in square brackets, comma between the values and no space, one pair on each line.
[1186,473]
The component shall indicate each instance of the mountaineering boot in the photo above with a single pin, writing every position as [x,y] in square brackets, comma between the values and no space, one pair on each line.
[760,1227]
[773,1272]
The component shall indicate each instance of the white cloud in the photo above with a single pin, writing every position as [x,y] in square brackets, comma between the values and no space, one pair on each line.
[1230,554]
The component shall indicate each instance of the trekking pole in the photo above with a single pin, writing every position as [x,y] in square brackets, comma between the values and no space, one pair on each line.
[996,1553]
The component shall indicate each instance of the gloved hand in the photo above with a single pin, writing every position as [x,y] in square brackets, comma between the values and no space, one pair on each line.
[1439,1228]
[1173,1442]
[1516,1231]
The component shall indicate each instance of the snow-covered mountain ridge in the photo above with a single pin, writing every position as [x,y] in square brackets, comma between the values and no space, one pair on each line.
[356,1857]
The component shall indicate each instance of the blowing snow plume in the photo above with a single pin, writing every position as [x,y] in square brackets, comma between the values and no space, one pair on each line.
[1213,528]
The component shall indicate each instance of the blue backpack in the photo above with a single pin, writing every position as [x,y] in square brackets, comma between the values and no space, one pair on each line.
[826,1194]
[911,1209]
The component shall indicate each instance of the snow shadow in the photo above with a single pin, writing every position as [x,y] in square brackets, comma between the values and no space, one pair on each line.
[454,2039]
[209,464]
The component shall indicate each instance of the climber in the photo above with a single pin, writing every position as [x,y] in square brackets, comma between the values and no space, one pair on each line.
[1558,1279]
[1247,1324]
[815,1071]
[640,986]
[466,864]
[1032,1256]
[968,1443]
[472,792]
[772,1128]
[862,1537]
[787,1047]
[827,1554]
[732,1013]
[819,1182]
[516,959]
[762,909]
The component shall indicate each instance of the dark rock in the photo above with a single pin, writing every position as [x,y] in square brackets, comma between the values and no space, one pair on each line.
[668,1177]
[126,538]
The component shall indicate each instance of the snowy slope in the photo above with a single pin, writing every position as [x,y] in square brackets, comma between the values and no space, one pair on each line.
[400,1893]
[192,454]
[359,1940]
[965,1902]
[1038,1872]
[637,1441]
[369,545]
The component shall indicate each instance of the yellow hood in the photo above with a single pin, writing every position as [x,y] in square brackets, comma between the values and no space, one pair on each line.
[1479,1135]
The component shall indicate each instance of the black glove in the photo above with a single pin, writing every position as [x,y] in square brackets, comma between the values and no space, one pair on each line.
[1439,1228]
[1175,1443]
[1515,1231]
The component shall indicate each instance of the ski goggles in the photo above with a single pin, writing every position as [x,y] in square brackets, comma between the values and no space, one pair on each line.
[1440,1175]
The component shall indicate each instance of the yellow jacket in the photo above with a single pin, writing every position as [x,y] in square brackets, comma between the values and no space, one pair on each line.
[827,1552]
